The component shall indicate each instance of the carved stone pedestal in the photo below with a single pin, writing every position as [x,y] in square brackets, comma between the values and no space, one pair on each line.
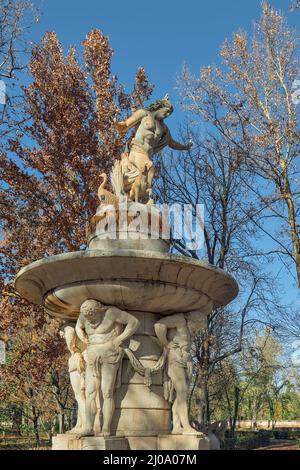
[71,442]
[184,442]
[162,442]
[141,410]
[169,442]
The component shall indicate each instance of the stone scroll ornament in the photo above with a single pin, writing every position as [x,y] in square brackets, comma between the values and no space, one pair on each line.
[175,333]
[103,329]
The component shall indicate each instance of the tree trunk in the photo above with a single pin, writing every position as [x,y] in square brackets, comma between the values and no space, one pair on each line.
[233,421]
[61,421]
[17,420]
[36,427]
[35,418]
[254,416]
[202,401]
[73,419]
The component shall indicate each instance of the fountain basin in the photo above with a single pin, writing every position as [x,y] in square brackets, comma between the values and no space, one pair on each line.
[133,280]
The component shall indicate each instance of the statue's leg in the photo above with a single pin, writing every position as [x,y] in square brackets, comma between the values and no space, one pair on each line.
[137,193]
[142,162]
[178,376]
[91,390]
[108,380]
[151,171]
[98,418]
[75,380]
[81,403]
[177,429]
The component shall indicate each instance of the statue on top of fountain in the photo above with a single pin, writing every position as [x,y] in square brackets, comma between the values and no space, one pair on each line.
[133,175]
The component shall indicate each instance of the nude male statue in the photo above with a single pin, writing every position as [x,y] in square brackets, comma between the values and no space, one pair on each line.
[175,333]
[100,327]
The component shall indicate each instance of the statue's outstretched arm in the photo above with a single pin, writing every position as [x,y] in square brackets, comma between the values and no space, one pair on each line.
[177,145]
[132,121]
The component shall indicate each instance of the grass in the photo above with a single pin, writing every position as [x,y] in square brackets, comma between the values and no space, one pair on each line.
[23,443]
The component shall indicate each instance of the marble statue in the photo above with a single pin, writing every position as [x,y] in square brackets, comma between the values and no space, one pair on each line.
[151,136]
[100,327]
[175,333]
[77,368]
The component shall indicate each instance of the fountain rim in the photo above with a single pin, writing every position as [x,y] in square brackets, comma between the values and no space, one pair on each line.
[121,253]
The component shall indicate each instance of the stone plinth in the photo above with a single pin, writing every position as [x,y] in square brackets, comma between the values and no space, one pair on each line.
[164,442]
[129,226]
[71,442]
[188,442]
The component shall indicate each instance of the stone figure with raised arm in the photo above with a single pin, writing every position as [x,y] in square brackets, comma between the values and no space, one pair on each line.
[103,328]
[77,371]
[175,333]
[151,136]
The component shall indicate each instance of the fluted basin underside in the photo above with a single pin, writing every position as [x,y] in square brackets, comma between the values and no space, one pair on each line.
[132,280]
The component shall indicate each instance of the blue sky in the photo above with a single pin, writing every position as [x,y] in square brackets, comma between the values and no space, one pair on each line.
[160,35]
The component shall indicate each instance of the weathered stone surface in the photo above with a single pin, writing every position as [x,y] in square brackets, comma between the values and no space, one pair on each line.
[142,442]
[161,442]
[141,422]
[131,280]
[129,226]
[129,376]
[175,334]
[182,442]
[69,442]
[142,410]
[142,397]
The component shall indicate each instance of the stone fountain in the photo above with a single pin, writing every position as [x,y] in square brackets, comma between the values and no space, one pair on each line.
[130,309]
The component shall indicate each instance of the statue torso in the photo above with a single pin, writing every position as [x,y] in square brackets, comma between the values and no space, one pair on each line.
[180,335]
[150,133]
[102,328]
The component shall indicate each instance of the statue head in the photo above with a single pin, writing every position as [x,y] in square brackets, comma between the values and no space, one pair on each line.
[198,319]
[67,331]
[161,108]
[90,309]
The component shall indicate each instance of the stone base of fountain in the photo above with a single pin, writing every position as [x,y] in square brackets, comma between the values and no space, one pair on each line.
[160,442]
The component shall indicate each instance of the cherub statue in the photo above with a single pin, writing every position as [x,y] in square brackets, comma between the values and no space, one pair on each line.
[151,136]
